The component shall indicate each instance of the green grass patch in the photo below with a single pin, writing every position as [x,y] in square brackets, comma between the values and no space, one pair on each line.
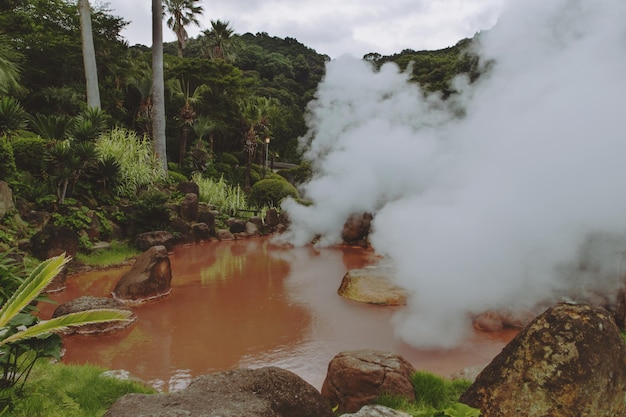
[115,254]
[435,397]
[58,390]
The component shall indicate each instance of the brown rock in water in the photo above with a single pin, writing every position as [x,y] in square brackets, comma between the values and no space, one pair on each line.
[87,303]
[264,392]
[489,321]
[357,378]
[356,228]
[150,277]
[569,362]
[372,285]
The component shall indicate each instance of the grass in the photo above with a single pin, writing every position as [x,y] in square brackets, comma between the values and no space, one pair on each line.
[435,396]
[115,254]
[58,390]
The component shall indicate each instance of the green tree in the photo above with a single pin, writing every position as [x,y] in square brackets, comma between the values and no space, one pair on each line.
[9,70]
[219,41]
[89,54]
[182,14]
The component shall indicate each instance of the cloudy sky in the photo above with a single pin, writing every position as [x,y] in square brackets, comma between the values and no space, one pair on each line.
[333,27]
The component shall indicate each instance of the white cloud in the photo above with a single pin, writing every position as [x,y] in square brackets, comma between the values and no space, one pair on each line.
[334,28]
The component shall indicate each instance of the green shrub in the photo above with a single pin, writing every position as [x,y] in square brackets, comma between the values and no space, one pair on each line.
[271,192]
[176,177]
[229,159]
[151,213]
[28,151]
[225,197]
[7,160]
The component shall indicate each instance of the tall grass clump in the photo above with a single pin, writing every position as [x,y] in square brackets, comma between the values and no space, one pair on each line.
[435,397]
[225,197]
[139,166]
[58,390]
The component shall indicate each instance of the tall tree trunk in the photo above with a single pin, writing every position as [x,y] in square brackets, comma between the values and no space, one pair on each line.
[158,87]
[89,54]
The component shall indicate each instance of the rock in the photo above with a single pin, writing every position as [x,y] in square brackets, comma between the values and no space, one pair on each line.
[517,319]
[356,228]
[372,285]
[271,218]
[146,240]
[37,219]
[257,220]
[236,226]
[150,277]
[264,392]
[54,240]
[489,321]
[189,207]
[377,411]
[358,378]
[224,234]
[188,187]
[570,361]
[6,199]
[87,303]
[207,216]
[201,231]
[251,229]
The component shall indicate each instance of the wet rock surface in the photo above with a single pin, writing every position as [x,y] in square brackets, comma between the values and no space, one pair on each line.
[372,285]
[264,392]
[570,361]
[150,277]
[357,378]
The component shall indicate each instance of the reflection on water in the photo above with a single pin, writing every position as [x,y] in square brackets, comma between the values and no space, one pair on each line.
[251,304]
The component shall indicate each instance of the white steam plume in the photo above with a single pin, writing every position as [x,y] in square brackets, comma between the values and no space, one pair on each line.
[502,206]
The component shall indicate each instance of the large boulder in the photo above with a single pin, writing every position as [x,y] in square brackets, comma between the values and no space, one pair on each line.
[264,392]
[357,378]
[146,240]
[6,199]
[356,229]
[87,303]
[570,361]
[149,278]
[372,285]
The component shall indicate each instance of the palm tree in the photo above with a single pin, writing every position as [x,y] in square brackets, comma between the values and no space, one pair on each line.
[89,54]
[256,119]
[182,14]
[9,70]
[179,90]
[219,40]
[205,126]
[158,86]
[13,333]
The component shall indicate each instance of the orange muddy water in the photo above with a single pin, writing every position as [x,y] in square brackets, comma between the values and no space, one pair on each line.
[250,303]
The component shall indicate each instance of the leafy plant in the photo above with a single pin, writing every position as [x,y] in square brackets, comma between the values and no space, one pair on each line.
[7,160]
[13,117]
[138,165]
[24,338]
[225,197]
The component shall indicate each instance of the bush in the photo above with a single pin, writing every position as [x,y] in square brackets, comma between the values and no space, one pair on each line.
[271,192]
[27,152]
[7,160]
[229,158]
[151,212]
[176,177]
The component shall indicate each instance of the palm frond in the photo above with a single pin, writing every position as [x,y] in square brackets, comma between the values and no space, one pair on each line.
[59,324]
[41,276]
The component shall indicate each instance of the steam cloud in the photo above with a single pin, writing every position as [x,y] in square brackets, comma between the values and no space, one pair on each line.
[510,192]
